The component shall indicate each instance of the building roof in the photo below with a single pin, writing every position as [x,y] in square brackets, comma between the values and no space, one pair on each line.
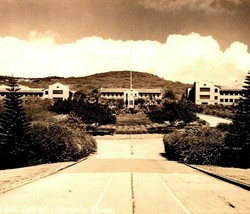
[23,89]
[232,88]
[114,90]
[122,90]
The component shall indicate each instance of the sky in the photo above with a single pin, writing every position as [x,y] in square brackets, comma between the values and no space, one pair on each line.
[179,40]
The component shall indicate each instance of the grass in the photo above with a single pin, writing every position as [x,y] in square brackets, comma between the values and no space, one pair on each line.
[132,120]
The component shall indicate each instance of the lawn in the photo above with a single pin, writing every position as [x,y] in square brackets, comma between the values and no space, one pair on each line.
[132,120]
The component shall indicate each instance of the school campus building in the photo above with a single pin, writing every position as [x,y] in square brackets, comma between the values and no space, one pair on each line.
[130,95]
[206,92]
[55,91]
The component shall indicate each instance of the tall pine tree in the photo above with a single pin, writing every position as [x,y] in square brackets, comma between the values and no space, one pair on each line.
[239,134]
[15,133]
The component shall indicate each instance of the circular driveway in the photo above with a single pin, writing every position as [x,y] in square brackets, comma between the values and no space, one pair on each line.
[213,120]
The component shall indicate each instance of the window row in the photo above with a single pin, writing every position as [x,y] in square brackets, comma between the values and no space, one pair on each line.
[228,100]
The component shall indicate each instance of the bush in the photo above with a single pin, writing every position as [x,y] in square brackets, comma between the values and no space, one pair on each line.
[172,110]
[195,146]
[59,142]
[37,109]
[224,127]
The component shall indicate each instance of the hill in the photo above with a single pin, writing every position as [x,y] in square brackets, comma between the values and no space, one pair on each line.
[111,79]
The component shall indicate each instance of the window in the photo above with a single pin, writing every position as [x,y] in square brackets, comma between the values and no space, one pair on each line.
[216,97]
[231,100]
[221,100]
[204,97]
[57,91]
[46,92]
[204,89]
[226,100]
[216,90]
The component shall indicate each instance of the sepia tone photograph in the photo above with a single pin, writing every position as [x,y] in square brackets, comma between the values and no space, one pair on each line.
[124,106]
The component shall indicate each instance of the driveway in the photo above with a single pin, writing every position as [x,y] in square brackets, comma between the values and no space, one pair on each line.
[128,175]
[213,120]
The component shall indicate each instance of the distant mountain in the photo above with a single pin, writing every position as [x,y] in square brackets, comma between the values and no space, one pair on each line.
[111,79]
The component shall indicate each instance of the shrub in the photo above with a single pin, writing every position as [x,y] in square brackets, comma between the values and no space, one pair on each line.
[224,127]
[172,111]
[195,146]
[37,109]
[59,142]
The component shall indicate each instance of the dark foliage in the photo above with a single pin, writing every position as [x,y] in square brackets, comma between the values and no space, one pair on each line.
[88,109]
[15,133]
[62,107]
[91,113]
[224,127]
[239,132]
[195,146]
[61,141]
[172,111]
[170,95]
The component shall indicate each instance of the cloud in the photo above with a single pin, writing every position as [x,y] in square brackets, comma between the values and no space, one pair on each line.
[185,58]
[193,5]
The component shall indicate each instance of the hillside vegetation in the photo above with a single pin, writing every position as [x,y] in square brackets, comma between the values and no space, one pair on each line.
[112,79]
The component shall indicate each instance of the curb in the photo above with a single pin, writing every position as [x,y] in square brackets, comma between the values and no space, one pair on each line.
[223,178]
[44,176]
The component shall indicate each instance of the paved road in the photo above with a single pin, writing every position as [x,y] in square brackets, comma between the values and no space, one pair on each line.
[213,120]
[127,175]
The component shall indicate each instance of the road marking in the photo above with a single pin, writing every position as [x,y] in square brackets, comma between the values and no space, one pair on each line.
[172,194]
[132,192]
[102,195]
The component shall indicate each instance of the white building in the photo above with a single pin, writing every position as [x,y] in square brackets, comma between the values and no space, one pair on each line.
[130,95]
[206,92]
[55,91]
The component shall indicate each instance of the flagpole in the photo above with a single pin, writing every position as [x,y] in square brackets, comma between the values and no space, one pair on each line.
[131,82]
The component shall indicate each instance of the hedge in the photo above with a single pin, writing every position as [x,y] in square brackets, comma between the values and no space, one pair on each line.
[195,146]
[58,142]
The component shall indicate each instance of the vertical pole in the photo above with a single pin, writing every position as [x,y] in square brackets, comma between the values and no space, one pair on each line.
[131,82]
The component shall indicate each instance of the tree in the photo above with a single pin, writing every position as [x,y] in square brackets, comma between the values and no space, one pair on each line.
[170,94]
[88,109]
[15,132]
[172,110]
[239,133]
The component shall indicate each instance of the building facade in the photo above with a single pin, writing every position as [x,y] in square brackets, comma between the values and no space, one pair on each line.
[130,95]
[55,91]
[206,92]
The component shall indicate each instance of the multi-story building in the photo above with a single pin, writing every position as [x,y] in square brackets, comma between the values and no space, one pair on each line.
[130,95]
[206,92]
[55,91]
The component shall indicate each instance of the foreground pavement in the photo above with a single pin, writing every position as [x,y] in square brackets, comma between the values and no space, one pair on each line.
[127,175]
